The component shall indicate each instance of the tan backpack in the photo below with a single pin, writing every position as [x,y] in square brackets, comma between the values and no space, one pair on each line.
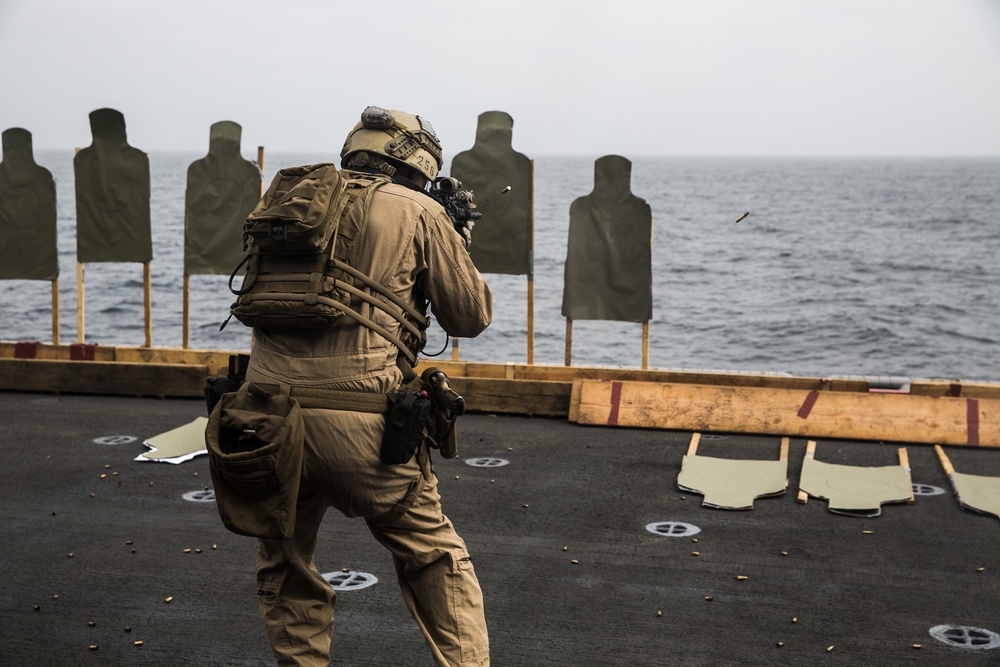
[302,241]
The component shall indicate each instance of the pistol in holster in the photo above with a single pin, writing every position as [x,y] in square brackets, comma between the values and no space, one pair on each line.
[447,406]
[215,387]
[428,414]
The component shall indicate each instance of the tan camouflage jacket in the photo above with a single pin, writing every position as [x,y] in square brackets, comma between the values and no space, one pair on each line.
[411,247]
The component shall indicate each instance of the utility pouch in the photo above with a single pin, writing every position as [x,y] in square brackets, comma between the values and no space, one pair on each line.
[255,443]
[404,426]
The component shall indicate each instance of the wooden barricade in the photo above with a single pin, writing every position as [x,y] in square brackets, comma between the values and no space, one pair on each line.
[789,411]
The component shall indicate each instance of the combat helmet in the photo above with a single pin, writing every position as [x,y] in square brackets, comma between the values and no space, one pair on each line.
[386,139]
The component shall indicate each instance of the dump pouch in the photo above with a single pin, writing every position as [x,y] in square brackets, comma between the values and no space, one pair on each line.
[255,443]
[404,426]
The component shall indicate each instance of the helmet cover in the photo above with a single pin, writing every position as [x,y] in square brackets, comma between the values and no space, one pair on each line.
[399,137]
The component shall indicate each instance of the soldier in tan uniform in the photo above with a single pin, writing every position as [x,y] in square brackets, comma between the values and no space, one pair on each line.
[412,247]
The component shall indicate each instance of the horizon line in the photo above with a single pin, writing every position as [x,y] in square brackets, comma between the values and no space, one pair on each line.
[828,156]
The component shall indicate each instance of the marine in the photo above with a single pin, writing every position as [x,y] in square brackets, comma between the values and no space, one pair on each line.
[413,250]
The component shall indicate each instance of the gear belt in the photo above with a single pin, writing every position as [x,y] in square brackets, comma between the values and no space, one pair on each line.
[333,399]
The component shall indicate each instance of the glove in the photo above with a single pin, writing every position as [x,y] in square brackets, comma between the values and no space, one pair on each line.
[466,231]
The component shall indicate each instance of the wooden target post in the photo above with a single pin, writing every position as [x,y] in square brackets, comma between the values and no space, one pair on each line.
[645,344]
[530,280]
[569,342]
[260,164]
[55,311]
[186,285]
[185,310]
[531,270]
[147,293]
[80,292]
[80,333]
[802,496]
[81,300]
[645,326]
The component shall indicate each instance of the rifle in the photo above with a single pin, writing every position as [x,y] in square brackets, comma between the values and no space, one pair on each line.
[457,203]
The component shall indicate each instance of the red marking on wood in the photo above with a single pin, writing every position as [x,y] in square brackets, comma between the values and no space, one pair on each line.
[955,390]
[807,405]
[26,350]
[82,351]
[973,419]
[616,399]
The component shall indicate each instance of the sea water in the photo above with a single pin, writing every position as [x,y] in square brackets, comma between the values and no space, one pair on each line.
[845,266]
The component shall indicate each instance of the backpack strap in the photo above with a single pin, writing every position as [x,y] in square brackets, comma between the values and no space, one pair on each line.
[303,241]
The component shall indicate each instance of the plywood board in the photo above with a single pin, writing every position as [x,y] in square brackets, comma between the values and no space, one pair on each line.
[791,412]
[514,396]
[75,351]
[95,377]
[173,355]
[571,373]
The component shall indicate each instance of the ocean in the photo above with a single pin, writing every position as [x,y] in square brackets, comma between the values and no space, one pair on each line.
[844,267]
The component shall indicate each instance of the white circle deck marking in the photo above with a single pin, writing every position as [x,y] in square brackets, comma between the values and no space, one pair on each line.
[115,440]
[350,581]
[486,462]
[964,636]
[672,528]
[200,496]
[927,490]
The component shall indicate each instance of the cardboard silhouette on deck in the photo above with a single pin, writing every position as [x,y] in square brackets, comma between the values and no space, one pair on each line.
[732,484]
[855,490]
[178,444]
[978,493]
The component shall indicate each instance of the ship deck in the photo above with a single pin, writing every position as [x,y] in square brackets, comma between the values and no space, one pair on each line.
[570,573]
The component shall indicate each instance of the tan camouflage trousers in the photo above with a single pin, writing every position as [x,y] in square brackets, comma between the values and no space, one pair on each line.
[433,567]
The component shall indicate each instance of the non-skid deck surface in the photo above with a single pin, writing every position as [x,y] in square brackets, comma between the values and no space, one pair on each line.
[871,588]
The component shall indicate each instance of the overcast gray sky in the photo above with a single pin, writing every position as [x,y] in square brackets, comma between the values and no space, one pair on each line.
[632,77]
